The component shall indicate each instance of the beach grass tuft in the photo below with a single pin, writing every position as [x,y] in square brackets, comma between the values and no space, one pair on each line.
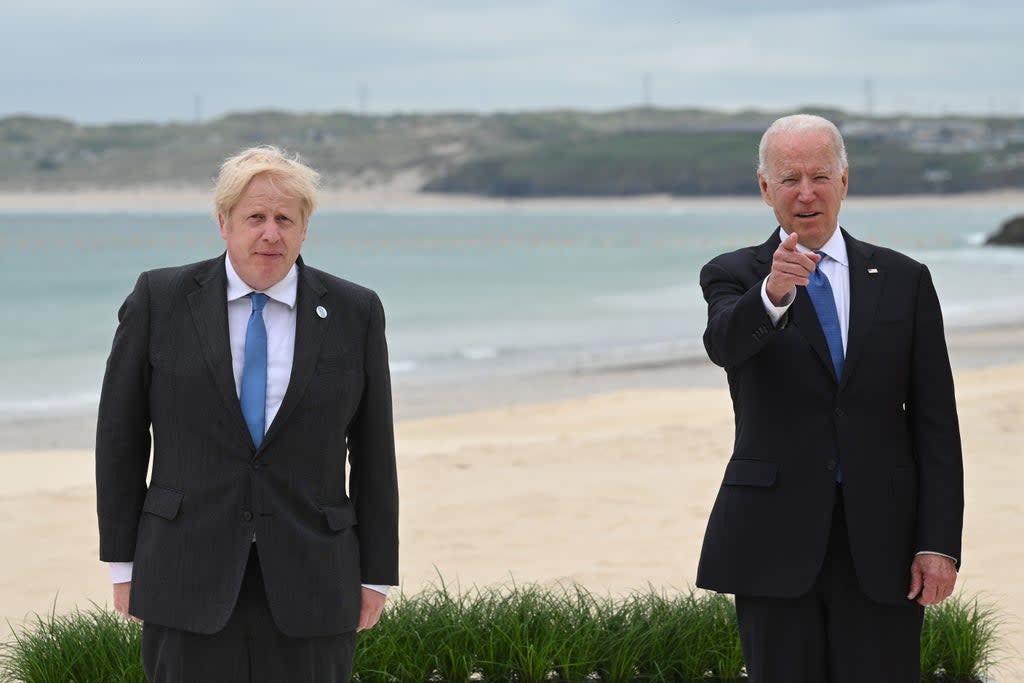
[516,633]
[959,640]
[93,646]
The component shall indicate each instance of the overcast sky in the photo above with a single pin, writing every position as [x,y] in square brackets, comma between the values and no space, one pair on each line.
[156,60]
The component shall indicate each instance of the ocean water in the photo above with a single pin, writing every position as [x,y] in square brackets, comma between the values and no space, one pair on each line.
[466,291]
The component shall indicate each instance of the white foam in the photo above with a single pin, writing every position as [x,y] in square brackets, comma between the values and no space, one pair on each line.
[399,367]
[480,352]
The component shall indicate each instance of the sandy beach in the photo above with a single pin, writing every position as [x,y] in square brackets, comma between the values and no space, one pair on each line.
[603,477]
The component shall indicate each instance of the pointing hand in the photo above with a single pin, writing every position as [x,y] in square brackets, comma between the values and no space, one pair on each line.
[790,268]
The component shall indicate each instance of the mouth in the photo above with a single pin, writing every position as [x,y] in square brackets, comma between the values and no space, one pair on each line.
[808,214]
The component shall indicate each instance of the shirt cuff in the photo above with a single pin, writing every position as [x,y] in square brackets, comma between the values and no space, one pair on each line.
[120,572]
[375,587]
[932,552]
[775,312]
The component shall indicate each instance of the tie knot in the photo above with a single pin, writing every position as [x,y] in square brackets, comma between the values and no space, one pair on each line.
[822,254]
[258,301]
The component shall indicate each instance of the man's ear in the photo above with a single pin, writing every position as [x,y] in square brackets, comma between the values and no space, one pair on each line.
[762,184]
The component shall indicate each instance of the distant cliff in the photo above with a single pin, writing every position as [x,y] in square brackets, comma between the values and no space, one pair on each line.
[684,152]
[1010,232]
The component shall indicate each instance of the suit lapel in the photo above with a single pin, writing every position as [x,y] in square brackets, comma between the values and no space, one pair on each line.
[865,293]
[764,253]
[208,304]
[310,330]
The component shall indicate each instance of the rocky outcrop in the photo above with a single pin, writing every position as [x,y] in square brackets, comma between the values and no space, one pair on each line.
[1011,232]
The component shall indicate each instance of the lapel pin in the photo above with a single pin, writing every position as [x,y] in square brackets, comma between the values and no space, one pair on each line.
[873,271]
[321,311]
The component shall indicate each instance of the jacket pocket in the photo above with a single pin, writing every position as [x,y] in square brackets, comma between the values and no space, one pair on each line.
[162,502]
[750,473]
[340,517]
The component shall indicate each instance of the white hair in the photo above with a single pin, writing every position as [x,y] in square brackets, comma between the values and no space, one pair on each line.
[799,123]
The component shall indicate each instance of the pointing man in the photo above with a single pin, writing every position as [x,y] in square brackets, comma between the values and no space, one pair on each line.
[840,513]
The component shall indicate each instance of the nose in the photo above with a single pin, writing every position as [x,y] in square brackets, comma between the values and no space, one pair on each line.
[271,232]
[806,191]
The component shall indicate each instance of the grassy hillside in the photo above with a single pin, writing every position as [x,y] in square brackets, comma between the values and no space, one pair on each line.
[550,153]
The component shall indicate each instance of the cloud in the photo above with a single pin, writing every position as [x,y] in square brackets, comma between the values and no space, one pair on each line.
[102,60]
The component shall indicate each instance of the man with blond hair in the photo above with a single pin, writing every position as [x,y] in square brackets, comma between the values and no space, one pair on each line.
[840,513]
[256,379]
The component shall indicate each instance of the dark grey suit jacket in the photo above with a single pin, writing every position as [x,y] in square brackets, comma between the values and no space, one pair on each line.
[190,529]
[890,421]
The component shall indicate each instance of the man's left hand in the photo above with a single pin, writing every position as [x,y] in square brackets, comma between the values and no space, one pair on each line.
[373,605]
[932,578]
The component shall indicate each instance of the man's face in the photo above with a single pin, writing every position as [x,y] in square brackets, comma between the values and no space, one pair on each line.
[804,184]
[264,233]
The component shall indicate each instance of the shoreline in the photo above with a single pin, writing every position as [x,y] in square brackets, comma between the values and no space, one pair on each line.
[971,347]
[401,196]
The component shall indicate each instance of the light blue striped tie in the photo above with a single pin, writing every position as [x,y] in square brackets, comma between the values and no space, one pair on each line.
[253,395]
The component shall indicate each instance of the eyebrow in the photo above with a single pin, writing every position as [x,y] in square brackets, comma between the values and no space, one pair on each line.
[824,170]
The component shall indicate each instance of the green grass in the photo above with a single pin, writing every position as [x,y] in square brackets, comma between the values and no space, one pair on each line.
[959,640]
[526,634]
[94,646]
[532,634]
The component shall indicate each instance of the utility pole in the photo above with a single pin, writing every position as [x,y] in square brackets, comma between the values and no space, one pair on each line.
[869,97]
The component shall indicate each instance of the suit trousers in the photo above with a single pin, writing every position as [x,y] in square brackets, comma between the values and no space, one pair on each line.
[834,633]
[249,649]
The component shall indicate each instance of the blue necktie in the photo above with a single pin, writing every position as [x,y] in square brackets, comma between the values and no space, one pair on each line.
[820,291]
[253,395]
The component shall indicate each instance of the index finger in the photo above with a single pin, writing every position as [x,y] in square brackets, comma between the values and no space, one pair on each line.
[790,241]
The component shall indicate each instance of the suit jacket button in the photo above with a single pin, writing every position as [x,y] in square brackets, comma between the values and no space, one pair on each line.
[840,413]
[832,464]
[247,516]
[256,465]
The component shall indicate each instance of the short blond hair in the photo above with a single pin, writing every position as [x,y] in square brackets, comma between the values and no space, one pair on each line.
[293,177]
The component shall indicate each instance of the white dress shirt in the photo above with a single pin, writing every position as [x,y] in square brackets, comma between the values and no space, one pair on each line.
[279,318]
[836,267]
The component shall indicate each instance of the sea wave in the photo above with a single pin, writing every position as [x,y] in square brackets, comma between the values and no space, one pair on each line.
[62,404]
[399,367]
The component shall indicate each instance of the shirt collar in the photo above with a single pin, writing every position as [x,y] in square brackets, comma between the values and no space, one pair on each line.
[283,292]
[835,248]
